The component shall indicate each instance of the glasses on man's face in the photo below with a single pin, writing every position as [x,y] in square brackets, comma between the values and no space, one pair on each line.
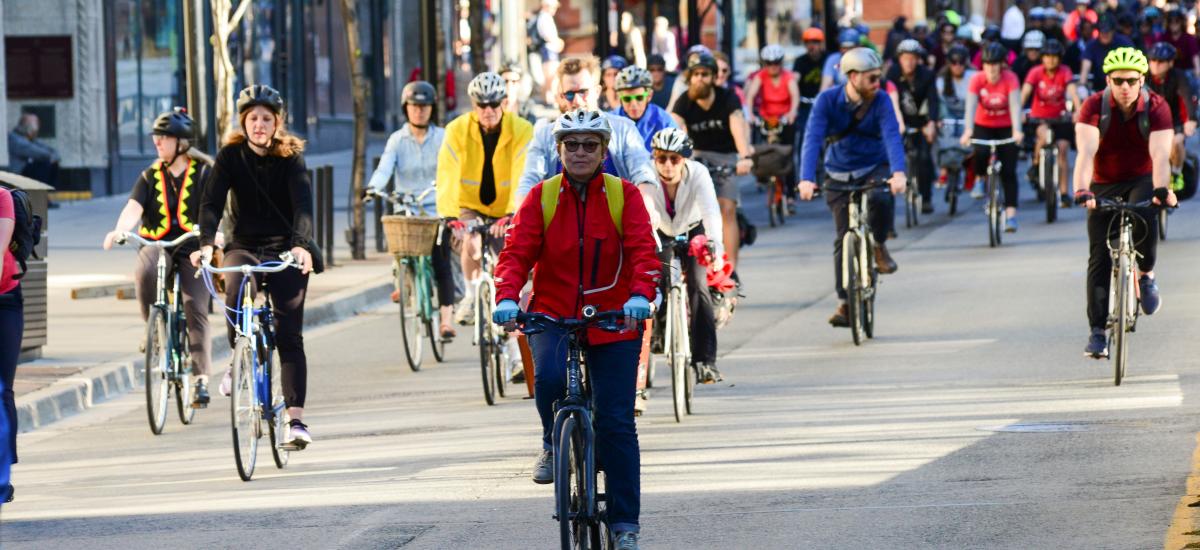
[488,105]
[569,95]
[588,146]
[701,74]
[668,159]
[871,78]
[633,97]
[1131,81]
[767,63]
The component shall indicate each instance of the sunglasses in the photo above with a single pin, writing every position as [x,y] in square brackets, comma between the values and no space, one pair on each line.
[632,98]
[1117,82]
[668,159]
[871,78]
[488,105]
[767,63]
[588,146]
[569,95]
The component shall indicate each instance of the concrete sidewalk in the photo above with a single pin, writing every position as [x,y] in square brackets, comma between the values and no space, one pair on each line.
[92,354]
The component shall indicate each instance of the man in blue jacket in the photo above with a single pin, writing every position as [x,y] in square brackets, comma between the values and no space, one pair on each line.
[859,127]
[634,89]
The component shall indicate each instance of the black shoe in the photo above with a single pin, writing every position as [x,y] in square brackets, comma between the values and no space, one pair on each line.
[708,373]
[200,398]
[1151,300]
[926,207]
[543,469]
[1064,201]
[1097,347]
[7,493]
[841,317]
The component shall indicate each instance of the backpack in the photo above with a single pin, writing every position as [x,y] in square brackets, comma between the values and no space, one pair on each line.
[1106,114]
[28,231]
[614,193]
[535,42]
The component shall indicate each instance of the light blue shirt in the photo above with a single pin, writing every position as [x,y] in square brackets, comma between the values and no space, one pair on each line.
[833,70]
[626,150]
[414,164]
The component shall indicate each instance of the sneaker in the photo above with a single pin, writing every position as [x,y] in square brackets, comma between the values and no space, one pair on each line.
[841,317]
[7,493]
[448,333]
[1097,347]
[1177,183]
[1010,225]
[640,402]
[1151,301]
[625,540]
[926,207]
[1064,201]
[543,469]
[298,437]
[941,181]
[226,386]
[200,397]
[464,314]
[708,373]
[977,192]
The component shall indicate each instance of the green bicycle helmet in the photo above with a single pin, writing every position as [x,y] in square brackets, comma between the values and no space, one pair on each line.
[1126,59]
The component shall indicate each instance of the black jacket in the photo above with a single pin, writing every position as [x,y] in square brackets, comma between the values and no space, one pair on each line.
[272,199]
[918,97]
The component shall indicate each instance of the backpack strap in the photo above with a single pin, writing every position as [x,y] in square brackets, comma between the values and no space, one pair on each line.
[614,194]
[550,190]
[1105,112]
[1143,117]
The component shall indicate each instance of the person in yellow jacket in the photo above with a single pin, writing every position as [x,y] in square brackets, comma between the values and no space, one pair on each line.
[479,165]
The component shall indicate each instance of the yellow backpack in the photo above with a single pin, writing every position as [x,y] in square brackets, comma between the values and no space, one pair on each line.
[613,191]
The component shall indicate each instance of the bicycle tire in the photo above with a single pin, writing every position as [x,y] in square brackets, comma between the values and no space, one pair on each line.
[1162,224]
[1050,158]
[1121,330]
[243,412]
[410,318]
[780,203]
[851,285]
[483,327]
[155,369]
[685,351]
[870,273]
[183,372]
[570,486]
[952,191]
[675,356]
[434,323]
[500,363]
[993,212]
[601,533]
[771,205]
[910,207]
[278,427]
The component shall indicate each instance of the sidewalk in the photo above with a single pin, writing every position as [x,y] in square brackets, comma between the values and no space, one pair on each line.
[92,353]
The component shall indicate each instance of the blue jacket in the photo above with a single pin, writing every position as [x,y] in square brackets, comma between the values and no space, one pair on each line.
[654,119]
[876,138]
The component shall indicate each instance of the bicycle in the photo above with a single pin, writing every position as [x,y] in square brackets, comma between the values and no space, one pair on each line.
[913,156]
[488,336]
[677,344]
[256,395]
[860,275]
[772,162]
[579,506]
[1048,162]
[167,356]
[994,209]
[409,232]
[1123,297]
[951,157]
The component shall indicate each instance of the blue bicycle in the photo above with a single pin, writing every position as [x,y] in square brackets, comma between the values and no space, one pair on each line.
[255,397]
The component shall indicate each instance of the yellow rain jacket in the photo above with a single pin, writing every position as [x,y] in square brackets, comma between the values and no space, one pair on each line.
[460,165]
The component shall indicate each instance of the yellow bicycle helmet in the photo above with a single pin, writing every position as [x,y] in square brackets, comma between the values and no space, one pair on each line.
[1126,59]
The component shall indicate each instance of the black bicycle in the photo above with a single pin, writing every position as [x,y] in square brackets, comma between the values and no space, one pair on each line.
[579,504]
[1047,173]
[860,275]
[913,157]
[994,209]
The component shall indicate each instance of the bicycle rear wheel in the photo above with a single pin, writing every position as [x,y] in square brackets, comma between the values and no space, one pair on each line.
[952,191]
[278,428]
[995,217]
[675,354]
[500,361]
[410,308]
[1162,224]
[868,294]
[1049,162]
[434,323]
[910,206]
[854,297]
[570,486]
[157,364]
[243,410]
[183,372]
[1120,335]
[487,355]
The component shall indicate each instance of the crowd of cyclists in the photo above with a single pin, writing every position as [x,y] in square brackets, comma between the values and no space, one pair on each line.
[584,200]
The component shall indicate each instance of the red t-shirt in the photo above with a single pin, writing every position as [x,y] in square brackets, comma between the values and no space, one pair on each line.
[1049,92]
[1123,154]
[993,98]
[8,269]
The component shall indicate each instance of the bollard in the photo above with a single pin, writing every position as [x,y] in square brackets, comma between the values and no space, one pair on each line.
[328,171]
[380,245]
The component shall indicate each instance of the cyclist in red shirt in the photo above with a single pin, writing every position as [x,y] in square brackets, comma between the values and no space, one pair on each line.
[1131,161]
[994,112]
[1051,84]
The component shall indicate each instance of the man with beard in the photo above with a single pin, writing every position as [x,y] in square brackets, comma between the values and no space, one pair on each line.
[713,119]
[858,128]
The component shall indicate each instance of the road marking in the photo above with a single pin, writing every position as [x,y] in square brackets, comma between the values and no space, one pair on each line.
[1184,531]
[918,347]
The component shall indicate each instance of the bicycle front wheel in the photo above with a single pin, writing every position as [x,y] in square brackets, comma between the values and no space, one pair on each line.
[995,213]
[910,206]
[851,274]
[183,372]
[1120,332]
[157,365]
[243,410]
[410,308]
[1049,186]
[675,354]
[571,493]
[487,353]
[952,191]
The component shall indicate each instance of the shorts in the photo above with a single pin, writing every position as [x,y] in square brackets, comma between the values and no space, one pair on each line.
[466,215]
[1062,131]
[727,186]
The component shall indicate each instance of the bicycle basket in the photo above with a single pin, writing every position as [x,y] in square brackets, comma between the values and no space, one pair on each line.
[410,235]
[772,160]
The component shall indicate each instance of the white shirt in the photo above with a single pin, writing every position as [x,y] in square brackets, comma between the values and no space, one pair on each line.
[695,202]
[1013,26]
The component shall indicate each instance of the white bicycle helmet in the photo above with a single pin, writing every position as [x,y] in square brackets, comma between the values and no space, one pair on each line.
[633,77]
[772,53]
[487,88]
[860,60]
[1034,40]
[582,121]
[909,45]
[673,140]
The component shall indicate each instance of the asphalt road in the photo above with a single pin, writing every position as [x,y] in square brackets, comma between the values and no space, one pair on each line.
[971,421]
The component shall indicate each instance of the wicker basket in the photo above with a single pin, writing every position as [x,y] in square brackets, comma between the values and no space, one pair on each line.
[410,236]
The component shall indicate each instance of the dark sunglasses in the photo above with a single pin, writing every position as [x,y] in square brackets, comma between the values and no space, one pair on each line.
[769,63]
[488,105]
[569,95]
[1124,81]
[632,98]
[664,159]
[588,146]
[871,78]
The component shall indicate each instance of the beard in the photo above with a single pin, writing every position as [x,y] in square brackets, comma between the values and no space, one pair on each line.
[699,91]
[866,94]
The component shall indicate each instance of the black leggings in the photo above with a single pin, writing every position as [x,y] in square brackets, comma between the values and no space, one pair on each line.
[287,289]
[1103,226]
[1008,160]
[921,154]
[443,272]
[703,322]
[12,330]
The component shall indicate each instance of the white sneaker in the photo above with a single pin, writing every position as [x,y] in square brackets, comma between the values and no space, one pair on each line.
[226,383]
[464,314]
[977,192]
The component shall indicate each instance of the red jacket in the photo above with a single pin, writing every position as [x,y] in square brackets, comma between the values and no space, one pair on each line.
[580,259]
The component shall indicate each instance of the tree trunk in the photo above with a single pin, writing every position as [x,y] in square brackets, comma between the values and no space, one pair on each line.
[358,87]
[225,21]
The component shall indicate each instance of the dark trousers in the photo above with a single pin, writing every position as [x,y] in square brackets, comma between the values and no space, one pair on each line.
[1008,160]
[613,373]
[443,272]
[195,300]
[1103,226]
[287,289]
[703,324]
[12,328]
[881,219]
[921,155]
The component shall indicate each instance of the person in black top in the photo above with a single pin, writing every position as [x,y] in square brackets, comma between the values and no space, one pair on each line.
[807,69]
[713,118]
[920,109]
[166,202]
[1172,84]
[662,81]
[1077,49]
[261,170]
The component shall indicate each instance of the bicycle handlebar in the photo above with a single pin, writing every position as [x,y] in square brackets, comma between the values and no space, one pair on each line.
[126,236]
[992,142]
[853,185]
[1111,204]
[286,260]
[401,198]
[609,321]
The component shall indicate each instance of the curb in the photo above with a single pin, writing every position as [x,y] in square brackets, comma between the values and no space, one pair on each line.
[73,395]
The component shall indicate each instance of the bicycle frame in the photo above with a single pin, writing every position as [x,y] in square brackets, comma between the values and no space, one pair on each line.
[860,209]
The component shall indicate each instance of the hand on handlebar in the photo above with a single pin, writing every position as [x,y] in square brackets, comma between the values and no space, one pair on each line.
[743,166]
[201,257]
[637,309]
[113,237]
[1165,196]
[505,313]
[965,140]
[1085,198]
[1189,128]
[500,226]
[807,190]
[303,259]
[898,182]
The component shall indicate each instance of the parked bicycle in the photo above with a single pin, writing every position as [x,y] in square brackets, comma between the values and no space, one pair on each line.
[994,207]
[1123,299]
[256,396]
[860,275]
[579,503]
[167,360]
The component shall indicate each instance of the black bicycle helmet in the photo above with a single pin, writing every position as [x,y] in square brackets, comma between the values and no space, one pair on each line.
[417,92]
[1162,51]
[260,94]
[175,122]
[1053,47]
[958,52]
[991,33]
[995,53]
[701,59]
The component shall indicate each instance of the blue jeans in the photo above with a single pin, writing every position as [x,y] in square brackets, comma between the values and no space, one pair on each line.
[613,369]
[12,327]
